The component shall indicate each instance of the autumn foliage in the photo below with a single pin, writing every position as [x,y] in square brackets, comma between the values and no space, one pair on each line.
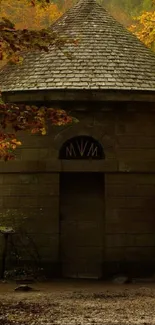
[23,27]
[144,27]
[26,16]
[26,118]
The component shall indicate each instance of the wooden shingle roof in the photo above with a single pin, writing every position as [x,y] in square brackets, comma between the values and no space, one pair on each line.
[107,56]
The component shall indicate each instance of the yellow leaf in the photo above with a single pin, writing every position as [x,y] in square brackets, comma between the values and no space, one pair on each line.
[43,131]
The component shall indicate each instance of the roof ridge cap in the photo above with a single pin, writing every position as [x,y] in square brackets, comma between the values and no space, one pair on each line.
[80,6]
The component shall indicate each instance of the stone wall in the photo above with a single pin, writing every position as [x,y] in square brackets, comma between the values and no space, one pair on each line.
[30,185]
[127,135]
[130,220]
[30,204]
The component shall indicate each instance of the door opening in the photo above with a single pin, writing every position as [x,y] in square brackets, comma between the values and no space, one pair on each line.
[81,224]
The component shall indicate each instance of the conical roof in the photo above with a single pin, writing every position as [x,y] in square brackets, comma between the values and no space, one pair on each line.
[107,56]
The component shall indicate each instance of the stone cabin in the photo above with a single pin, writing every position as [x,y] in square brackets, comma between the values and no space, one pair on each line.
[87,191]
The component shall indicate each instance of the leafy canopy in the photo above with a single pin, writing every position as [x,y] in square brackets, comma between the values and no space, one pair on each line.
[26,34]
[144,27]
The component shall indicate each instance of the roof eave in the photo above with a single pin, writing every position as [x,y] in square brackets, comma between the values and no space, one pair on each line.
[110,95]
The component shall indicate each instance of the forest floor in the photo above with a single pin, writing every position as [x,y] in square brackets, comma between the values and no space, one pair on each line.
[78,303]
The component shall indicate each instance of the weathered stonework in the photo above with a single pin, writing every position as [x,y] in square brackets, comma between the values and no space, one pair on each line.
[128,236]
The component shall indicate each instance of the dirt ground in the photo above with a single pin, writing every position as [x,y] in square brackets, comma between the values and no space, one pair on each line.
[78,303]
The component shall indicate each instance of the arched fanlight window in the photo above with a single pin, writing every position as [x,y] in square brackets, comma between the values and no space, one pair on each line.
[81,147]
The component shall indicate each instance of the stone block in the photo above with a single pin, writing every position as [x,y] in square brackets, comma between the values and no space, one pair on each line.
[53,165]
[31,190]
[9,179]
[5,190]
[30,154]
[136,166]
[137,154]
[48,178]
[115,227]
[131,178]
[43,154]
[125,202]
[29,166]
[49,253]
[11,202]
[53,153]
[144,240]
[41,222]
[28,178]
[130,190]
[34,141]
[29,201]
[1,178]
[46,240]
[140,254]
[115,254]
[48,202]
[116,240]
[1,202]
[141,141]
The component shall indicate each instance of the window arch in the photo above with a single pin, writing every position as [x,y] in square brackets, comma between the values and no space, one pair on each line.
[81,147]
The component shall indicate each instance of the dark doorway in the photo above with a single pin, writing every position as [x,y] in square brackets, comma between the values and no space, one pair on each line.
[81,224]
